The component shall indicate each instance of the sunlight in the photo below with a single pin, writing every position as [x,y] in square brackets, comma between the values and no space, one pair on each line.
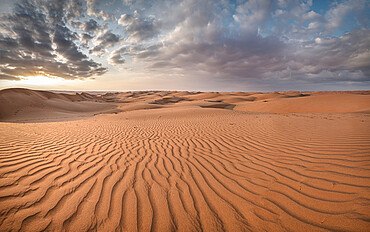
[44,81]
[41,80]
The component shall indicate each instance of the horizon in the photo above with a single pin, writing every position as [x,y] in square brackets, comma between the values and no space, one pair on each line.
[185,45]
[175,90]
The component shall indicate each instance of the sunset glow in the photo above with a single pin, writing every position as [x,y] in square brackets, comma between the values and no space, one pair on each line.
[41,80]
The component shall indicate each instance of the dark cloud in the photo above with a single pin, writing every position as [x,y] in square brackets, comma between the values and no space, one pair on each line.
[7,42]
[97,50]
[36,41]
[105,40]
[85,39]
[116,57]
[137,52]
[7,77]
[90,26]
[108,39]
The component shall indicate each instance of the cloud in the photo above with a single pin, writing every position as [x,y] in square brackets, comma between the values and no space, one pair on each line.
[311,15]
[105,40]
[346,54]
[336,15]
[126,20]
[108,39]
[97,50]
[283,40]
[85,39]
[90,26]
[297,20]
[253,14]
[138,29]
[127,2]
[92,10]
[116,57]
[336,59]
[7,77]
[35,41]
[200,42]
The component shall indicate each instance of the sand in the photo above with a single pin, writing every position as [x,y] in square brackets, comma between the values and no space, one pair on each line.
[23,105]
[185,161]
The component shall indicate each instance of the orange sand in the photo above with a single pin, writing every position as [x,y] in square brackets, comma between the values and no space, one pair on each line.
[184,161]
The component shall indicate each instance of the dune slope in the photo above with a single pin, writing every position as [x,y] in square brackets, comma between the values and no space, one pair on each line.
[322,103]
[32,105]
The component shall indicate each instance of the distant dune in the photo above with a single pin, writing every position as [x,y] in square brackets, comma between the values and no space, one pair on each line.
[34,105]
[278,102]
[184,161]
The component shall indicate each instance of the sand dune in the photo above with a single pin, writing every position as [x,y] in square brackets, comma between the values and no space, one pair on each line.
[30,105]
[182,166]
[277,102]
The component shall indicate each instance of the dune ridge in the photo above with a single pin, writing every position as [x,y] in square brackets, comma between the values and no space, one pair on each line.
[184,167]
[24,105]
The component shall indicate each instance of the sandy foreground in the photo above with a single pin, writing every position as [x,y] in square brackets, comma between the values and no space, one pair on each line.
[187,161]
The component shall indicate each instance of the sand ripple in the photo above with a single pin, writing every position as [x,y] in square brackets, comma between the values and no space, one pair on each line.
[172,169]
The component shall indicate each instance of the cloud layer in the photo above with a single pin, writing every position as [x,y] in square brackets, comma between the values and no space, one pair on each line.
[35,40]
[277,41]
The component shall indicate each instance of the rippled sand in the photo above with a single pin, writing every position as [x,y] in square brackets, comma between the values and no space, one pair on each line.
[188,166]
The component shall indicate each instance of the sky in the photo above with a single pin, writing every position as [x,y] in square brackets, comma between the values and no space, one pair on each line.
[200,45]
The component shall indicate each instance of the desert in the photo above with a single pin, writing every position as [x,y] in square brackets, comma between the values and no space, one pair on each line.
[184,115]
[184,161]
